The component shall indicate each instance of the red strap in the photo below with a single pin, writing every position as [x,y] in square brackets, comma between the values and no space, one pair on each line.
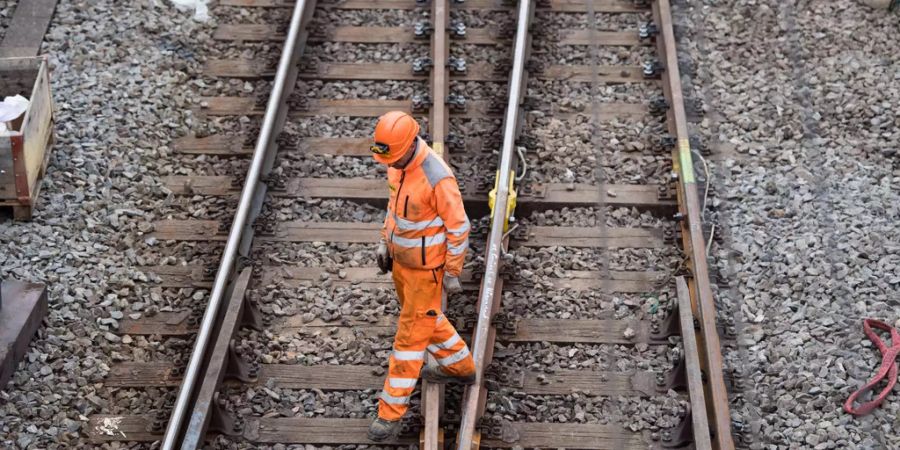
[888,368]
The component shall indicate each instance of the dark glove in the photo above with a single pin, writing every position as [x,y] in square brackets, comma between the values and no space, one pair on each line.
[451,284]
[383,258]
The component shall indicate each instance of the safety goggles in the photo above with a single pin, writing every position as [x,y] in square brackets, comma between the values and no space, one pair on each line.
[380,149]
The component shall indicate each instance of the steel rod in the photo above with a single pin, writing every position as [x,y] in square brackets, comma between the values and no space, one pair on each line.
[498,220]
[204,336]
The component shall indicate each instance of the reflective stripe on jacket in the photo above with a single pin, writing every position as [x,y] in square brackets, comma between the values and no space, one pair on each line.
[426,224]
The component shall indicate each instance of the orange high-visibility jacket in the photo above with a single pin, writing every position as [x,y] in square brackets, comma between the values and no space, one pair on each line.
[426,224]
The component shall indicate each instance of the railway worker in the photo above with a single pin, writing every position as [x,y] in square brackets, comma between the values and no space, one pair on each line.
[423,241]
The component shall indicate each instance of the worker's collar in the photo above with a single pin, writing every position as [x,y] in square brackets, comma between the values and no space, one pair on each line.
[421,153]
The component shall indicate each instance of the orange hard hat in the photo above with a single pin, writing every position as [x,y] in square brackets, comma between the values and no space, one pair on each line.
[394,133]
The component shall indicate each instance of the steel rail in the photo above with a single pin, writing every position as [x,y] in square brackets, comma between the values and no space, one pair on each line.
[702,303]
[489,296]
[236,235]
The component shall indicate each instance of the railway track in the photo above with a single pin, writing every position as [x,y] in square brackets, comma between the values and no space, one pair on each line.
[596,264]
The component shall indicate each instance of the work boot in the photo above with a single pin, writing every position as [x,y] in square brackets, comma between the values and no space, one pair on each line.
[437,375]
[382,430]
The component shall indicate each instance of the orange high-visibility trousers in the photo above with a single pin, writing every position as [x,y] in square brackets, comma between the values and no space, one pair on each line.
[421,327]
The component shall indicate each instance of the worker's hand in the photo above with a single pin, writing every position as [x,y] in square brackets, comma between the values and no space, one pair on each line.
[383,257]
[451,284]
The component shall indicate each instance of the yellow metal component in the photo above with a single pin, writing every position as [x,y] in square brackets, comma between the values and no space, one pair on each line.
[438,148]
[440,438]
[685,161]
[510,200]
[476,440]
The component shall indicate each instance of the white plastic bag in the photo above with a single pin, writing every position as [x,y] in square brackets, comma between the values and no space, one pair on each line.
[201,11]
[12,108]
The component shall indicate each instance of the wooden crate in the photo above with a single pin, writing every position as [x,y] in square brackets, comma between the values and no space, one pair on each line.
[25,151]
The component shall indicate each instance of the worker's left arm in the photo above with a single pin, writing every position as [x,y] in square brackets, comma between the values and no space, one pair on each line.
[450,208]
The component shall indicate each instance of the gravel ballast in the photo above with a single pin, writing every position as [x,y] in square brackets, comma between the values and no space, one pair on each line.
[806,105]
[799,108]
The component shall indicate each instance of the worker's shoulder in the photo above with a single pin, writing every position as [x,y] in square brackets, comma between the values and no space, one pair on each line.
[435,168]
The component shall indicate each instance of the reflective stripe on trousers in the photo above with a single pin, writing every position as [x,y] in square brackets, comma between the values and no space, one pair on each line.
[421,327]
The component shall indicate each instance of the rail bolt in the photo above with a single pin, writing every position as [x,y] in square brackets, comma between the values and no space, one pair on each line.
[458,28]
[651,69]
[457,65]
[457,102]
[422,64]
[420,103]
[422,29]
[648,30]
[659,105]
